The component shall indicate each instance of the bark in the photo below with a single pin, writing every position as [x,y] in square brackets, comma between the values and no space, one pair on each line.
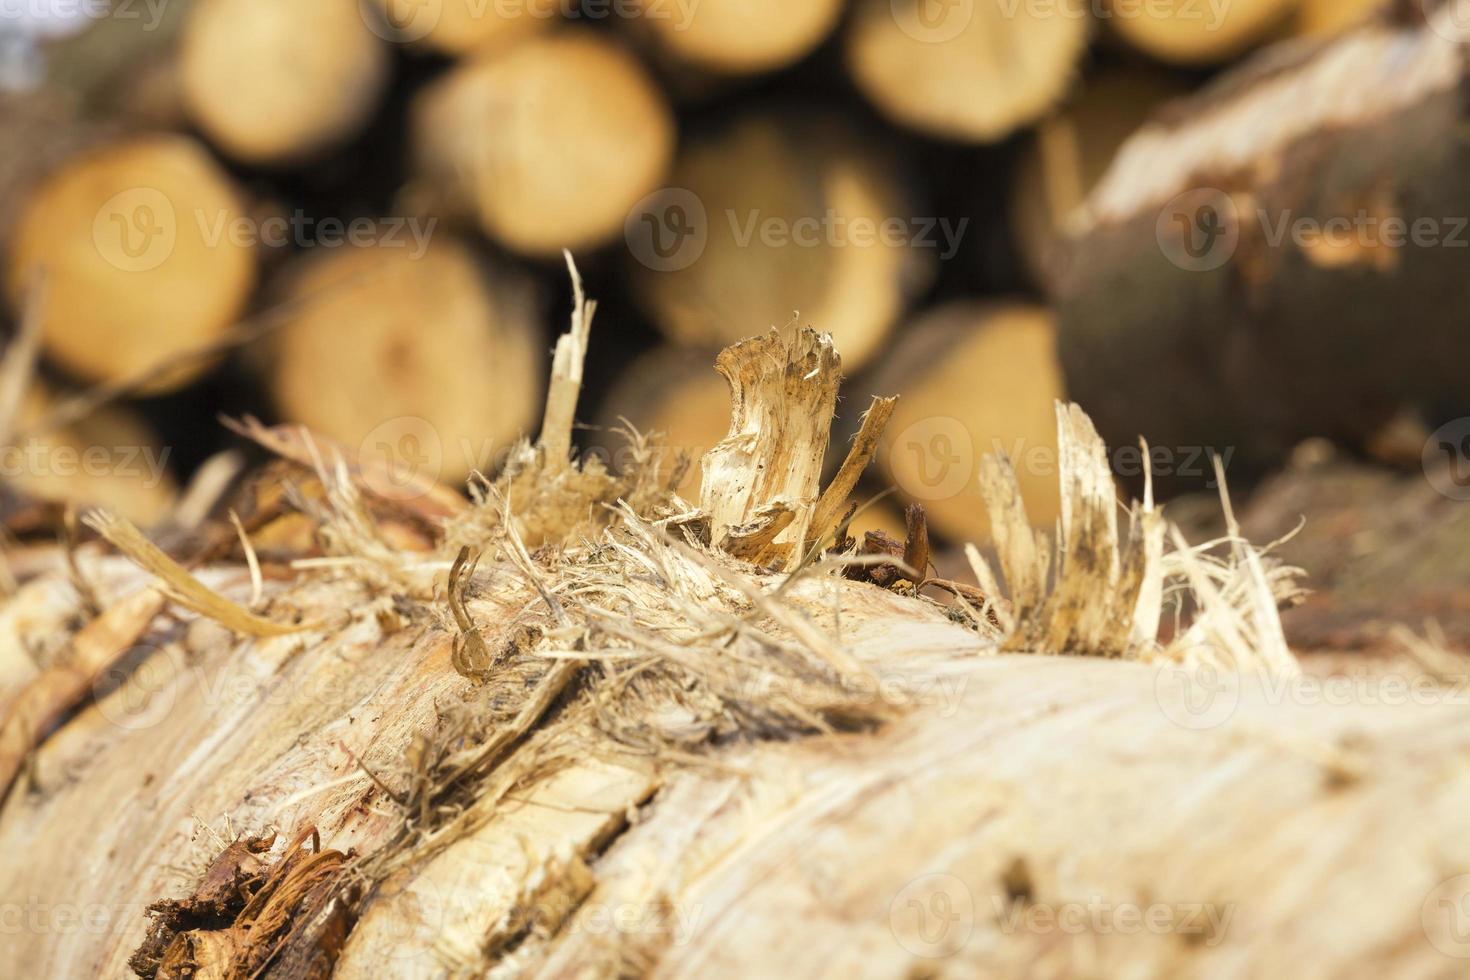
[1249,336]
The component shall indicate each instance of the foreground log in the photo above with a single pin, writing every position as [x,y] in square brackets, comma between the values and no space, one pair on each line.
[128,250]
[1183,32]
[1280,257]
[775,216]
[633,751]
[548,144]
[739,37]
[973,379]
[430,360]
[972,71]
[279,81]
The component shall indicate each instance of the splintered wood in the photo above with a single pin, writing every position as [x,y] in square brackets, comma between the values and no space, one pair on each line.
[654,748]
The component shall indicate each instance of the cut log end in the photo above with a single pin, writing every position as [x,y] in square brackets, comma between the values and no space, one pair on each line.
[278,81]
[973,379]
[548,144]
[1183,32]
[971,71]
[131,247]
[773,219]
[739,37]
[427,363]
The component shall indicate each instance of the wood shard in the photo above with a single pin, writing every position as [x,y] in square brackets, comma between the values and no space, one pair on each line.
[783,392]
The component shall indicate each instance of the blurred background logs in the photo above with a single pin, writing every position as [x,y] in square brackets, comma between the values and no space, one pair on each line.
[350,213]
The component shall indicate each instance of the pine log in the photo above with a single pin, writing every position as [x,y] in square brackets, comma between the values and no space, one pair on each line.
[776,216]
[974,71]
[738,37]
[1325,17]
[548,143]
[1071,150]
[129,247]
[430,360]
[673,395]
[461,27]
[1206,299]
[973,379]
[112,459]
[1193,32]
[634,751]
[280,81]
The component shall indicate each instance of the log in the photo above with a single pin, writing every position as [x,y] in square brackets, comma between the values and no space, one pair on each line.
[461,27]
[966,71]
[775,216]
[422,361]
[111,459]
[1240,278]
[738,37]
[516,140]
[1071,150]
[136,263]
[1321,18]
[274,82]
[673,395]
[1184,32]
[973,378]
[666,750]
